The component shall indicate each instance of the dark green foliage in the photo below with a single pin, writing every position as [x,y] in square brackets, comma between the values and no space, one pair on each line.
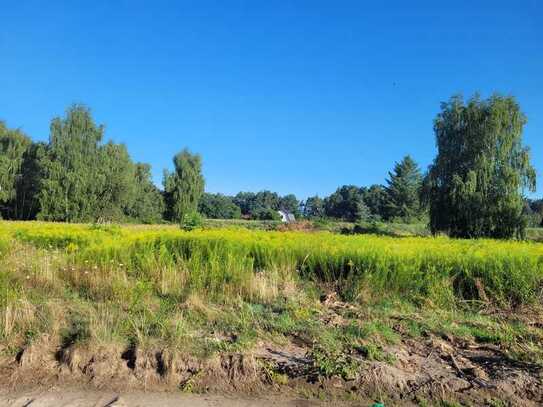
[314,207]
[115,183]
[148,203]
[266,200]
[261,205]
[403,191]
[28,186]
[13,144]
[245,201]
[347,203]
[184,187]
[355,204]
[191,220]
[375,198]
[266,214]
[71,168]
[20,174]
[472,189]
[474,185]
[83,180]
[533,211]
[218,206]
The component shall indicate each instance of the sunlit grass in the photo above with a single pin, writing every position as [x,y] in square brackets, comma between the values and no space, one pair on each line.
[222,290]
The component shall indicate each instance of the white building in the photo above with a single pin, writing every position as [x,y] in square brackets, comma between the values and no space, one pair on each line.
[286,216]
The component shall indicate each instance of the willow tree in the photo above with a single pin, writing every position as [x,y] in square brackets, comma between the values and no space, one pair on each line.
[474,186]
[184,187]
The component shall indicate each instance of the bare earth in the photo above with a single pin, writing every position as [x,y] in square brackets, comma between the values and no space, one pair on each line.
[424,370]
[57,397]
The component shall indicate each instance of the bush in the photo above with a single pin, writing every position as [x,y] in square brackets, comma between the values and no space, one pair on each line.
[266,214]
[191,221]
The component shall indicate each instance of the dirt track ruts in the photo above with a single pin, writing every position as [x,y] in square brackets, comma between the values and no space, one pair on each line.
[59,397]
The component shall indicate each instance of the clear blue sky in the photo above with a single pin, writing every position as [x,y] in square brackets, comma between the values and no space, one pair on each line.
[292,96]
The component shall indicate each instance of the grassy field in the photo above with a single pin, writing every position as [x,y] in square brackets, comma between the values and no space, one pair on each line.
[339,303]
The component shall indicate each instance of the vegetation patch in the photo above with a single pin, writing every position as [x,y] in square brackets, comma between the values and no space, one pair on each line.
[361,316]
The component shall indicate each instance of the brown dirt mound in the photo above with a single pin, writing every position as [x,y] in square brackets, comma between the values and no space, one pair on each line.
[433,369]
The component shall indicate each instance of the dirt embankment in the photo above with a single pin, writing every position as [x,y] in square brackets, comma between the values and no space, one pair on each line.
[429,369]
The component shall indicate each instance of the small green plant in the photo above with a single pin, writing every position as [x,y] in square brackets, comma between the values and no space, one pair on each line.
[334,361]
[188,386]
[271,373]
[78,330]
[191,220]
[372,351]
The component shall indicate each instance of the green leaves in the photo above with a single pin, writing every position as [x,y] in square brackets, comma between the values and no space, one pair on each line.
[13,145]
[403,191]
[86,181]
[474,186]
[218,206]
[184,187]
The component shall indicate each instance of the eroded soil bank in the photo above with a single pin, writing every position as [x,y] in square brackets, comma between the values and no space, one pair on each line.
[401,327]
[427,371]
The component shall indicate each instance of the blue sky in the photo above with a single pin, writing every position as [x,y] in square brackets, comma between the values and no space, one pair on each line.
[292,96]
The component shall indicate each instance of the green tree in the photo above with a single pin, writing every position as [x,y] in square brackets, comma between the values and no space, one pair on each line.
[261,204]
[71,168]
[403,191]
[533,212]
[83,179]
[262,213]
[536,207]
[115,186]
[27,205]
[266,200]
[245,201]
[474,186]
[375,199]
[148,203]
[314,207]
[184,187]
[13,145]
[347,203]
[218,206]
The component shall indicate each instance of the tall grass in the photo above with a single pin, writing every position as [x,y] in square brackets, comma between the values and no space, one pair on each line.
[229,263]
[226,290]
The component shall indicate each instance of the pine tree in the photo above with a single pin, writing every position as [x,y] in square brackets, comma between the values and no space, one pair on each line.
[403,191]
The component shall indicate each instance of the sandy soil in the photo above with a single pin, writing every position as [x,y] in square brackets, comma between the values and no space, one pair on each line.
[59,397]
[427,368]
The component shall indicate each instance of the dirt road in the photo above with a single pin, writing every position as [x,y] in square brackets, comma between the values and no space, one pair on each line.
[58,397]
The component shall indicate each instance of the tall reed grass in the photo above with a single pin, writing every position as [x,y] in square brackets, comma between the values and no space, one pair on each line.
[230,262]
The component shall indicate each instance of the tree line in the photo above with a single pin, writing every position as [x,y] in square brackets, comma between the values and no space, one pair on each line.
[473,188]
[76,177]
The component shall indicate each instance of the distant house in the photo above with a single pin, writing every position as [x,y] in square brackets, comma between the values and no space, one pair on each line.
[286,216]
